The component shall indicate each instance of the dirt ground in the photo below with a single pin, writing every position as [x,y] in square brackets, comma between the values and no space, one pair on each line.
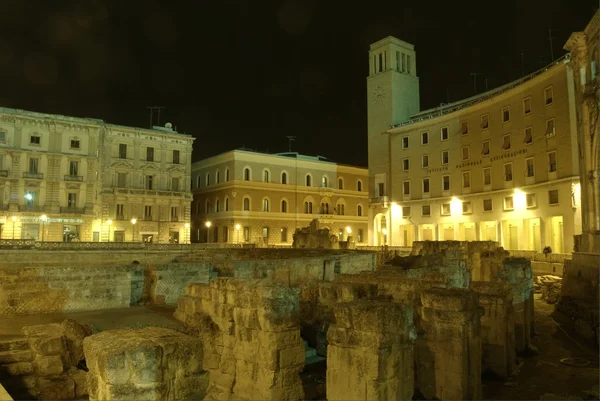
[544,373]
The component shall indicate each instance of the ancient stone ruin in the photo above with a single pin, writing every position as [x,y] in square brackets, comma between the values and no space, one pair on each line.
[315,237]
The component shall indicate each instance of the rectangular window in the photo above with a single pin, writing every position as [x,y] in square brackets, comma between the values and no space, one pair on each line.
[121,180]
[487,176]
[446,183]
[506,142]
[405,164]
[425,161]
[175,157]
[550,130]
[403,62]
[406,187]
[265,233]
[149,154]
[2,137]
[509,203]
[553,197]
[425,185]
[487,205]
[284,236]
[75,144]
[34,164]
[464,127]
[408,63]
[529,166]
[406,211]
[506,114]
[424,138]
[225,234]
[397,60]
[508,172]
[174,213]
[548,95]
[72,200]
[527,106]
[34,140]
[531,200]
[147,212]
[528,137]
[552,161]
[485,121]
[175,184]
[445,157]
[122,151]
[246,234]
[120,212]
[444,133]
[466,179]
[426,210]
[359,237]
[485,148]
[465,153]
[467,207]
[73,168]
[405,142]
[149,181]
[445,209]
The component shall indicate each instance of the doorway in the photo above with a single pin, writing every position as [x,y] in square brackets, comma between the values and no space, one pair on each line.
[557,234]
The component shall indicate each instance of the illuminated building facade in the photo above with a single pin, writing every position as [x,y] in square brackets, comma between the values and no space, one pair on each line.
[62,179]
[250,197]
[500,166]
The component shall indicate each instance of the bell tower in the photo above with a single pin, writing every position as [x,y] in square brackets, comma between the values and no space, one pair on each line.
[392,97]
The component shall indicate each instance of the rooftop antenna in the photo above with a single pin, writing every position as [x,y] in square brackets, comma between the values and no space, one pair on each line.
[158,109]
[523,62]
[151,115]
[290,140]
[550,37]
[474,75]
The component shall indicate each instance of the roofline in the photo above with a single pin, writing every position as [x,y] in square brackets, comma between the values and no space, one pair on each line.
[391,39]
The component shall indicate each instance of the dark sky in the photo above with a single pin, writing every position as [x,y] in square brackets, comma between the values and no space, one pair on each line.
[251,72]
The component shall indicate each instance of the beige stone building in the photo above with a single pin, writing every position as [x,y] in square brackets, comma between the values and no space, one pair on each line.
[501,166]
[66,178]
[249,197]
[585,48]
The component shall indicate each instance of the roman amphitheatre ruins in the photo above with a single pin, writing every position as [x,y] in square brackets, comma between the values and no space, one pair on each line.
[442,320]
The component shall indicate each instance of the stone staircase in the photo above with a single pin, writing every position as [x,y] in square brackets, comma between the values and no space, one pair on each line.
[310,355]
[16,368]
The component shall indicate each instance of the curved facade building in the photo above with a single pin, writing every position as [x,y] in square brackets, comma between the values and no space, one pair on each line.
[500,166]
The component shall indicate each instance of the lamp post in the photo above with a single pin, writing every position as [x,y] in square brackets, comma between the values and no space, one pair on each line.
[133,221]
[208,224]
[109,222]
[237,229]
[14,220]
[186,233]
[44,219]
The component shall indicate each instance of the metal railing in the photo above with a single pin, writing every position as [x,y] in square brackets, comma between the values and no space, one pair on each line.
[37,176]
[73,178]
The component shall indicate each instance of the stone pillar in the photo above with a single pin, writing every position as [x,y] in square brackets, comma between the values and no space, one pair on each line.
[497,327]
[370,354]
[449,354]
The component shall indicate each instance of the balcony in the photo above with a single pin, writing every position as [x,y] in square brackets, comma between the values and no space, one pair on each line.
[379,199]
[73,210]
[3,173]
[37,176]
[73,178]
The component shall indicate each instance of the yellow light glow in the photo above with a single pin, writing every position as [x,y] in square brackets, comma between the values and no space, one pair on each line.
[384,231]
[455,206]
[576,193]
[133,221]
[14,218]
[396,210]
[519,200]
[348,230]
[237,226]
[109,222]
[44,217]
[187,225]
[208,224]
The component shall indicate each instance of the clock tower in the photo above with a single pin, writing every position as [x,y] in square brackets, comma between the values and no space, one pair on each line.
[392,97]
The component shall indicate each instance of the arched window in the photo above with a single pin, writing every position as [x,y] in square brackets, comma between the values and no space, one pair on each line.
[227,174]
[217,205]
[198,182]
[207,179]
[284,178]
[308,207]
[308,181]
[227,204]
[265,205]
[246,204]
[340,183]
[207,207]
[359,186]
[359,210]
[324,208]
[246,174]
[324,182]
[217,177]
[284,206]
[266,176]
[340,209]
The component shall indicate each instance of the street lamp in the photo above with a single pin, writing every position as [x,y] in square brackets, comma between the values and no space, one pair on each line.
[44,218]
[14,220]
[133,221]
[187,231]
[109,222]
[237,229]
[348,231]
[208,224]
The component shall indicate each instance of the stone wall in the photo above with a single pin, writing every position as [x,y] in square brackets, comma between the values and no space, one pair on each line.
[370,354]
[149,364]
[251,333]
[32,290]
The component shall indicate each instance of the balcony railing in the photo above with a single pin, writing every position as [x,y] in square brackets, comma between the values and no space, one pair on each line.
[37,176]
[75,210]
[380,199]
[73,177]
[3,173]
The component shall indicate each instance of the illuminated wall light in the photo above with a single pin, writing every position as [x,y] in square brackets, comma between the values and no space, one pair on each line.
[455,206]
[519,200]
[396,210]
[576,195]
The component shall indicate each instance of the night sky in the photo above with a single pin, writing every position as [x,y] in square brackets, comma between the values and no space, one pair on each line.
[249,73]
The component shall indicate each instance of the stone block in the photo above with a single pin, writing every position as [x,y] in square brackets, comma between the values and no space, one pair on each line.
[48,365]
[16,356]
[48,345]
[292,357]
[247,318]
[80,380]
[18,368]
[56,388]
[449,299]
[191,387]
[74,333]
